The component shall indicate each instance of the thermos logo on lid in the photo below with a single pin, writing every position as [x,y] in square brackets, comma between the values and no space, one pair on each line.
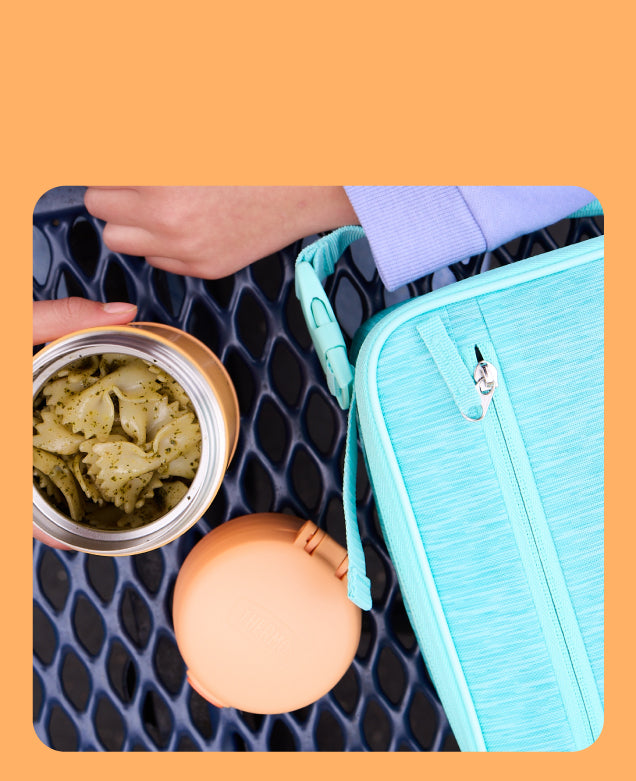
[258,622]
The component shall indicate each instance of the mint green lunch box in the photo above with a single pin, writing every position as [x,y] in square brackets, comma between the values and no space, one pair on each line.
[479,411]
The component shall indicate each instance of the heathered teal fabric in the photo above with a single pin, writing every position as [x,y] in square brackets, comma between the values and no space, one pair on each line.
[547,335]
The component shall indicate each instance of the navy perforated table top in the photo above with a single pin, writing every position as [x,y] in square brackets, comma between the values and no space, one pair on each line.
[107,674]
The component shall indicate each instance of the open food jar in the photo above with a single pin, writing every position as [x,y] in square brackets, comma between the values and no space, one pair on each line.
[134,428]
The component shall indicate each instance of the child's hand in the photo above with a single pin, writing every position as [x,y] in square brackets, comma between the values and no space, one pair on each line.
[211,232]
[52,319]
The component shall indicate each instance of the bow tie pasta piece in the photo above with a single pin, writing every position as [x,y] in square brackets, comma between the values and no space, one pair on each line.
[59,392]
[81,466]
[136,378]
[91,413]
[56,469]
[115,464]
[91,410]
[176,437]
[54,437]
[159,415]
[184,465]
[133,489]
[85,481]
[135,413]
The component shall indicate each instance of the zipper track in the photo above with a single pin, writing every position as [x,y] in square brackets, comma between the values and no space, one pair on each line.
[533,547]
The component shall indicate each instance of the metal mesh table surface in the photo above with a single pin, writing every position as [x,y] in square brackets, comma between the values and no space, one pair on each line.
[107,674]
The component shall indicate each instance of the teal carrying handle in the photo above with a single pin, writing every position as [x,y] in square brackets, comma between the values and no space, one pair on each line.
[314,264]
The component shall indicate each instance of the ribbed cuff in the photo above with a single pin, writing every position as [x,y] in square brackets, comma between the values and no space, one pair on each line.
[413,231]
[503,213]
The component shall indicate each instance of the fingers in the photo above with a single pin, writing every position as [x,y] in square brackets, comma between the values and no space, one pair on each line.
[52,319]
[129,240]
[113,204]
[118,207]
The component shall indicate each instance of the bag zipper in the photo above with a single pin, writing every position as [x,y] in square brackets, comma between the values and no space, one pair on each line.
[511,464]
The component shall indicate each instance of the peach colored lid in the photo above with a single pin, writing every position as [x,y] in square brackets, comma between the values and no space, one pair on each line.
[261,614]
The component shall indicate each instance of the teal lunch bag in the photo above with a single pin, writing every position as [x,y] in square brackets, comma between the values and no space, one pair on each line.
[479,409]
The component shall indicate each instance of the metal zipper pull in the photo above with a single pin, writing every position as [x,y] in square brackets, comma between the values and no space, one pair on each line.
[485,376]
[471,394]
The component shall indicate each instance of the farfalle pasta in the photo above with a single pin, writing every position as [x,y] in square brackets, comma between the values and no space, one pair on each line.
[116,441]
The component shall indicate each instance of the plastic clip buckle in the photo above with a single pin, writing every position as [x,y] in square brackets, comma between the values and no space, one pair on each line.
[325,333]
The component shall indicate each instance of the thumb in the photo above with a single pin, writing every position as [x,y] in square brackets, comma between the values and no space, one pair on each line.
[52,319]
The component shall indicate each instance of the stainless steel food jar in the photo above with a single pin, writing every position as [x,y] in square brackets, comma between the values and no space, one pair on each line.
[212,394]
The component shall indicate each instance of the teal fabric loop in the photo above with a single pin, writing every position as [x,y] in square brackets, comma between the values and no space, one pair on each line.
[455,373]
[314,264]
[324,253]
[358,584]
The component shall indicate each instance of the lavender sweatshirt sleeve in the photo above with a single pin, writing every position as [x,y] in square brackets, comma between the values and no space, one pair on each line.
[413,231]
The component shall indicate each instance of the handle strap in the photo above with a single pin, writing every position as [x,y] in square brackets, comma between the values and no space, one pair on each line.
[314,264]
[358,584]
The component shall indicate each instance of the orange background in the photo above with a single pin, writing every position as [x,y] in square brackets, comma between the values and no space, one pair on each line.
[331,93]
